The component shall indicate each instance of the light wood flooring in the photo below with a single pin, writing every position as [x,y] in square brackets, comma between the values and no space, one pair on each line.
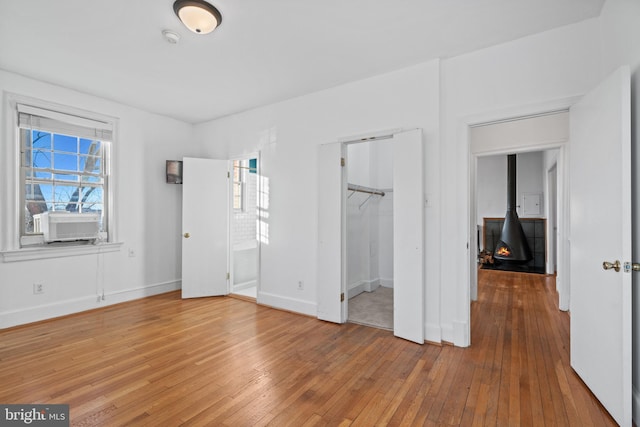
[162,361]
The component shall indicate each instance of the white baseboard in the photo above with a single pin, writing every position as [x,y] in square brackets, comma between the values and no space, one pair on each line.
[446,332]
[245,285]
[62,308]
[460,334]
[387,283]
[636,405]
[286,303]
[433,333]
[362,286]
[456,333]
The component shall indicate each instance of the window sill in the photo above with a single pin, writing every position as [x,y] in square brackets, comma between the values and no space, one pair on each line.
[28,254]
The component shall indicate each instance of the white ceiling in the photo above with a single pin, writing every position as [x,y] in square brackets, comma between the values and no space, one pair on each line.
[265,50]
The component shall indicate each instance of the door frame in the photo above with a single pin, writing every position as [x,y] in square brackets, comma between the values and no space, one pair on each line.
[469,291]
[340,146]
[254,155]
[552,201]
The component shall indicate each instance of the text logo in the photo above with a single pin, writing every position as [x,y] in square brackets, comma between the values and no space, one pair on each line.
[34,415]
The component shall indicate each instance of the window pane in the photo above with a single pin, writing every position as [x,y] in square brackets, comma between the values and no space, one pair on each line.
[65,194]
[58,206]
[41,139]
[90,164]
[40,159]
[32,192]
[91,195]
[88,146]
[70,207]
[92,208]
[65,162]
[46,190]
[65,143]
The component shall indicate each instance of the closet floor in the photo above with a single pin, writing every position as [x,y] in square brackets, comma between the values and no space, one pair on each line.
[373,308]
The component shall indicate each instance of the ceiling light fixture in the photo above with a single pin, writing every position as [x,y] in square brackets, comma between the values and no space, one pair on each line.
[197,15]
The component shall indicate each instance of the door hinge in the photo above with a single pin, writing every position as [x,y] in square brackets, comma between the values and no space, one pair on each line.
[342,162]
[228,276]
[228,174]
[342,297]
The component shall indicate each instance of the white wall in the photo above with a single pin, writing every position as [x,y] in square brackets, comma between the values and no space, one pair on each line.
[289,134]
[370,219]
[492,184]
[148,215]
[621,46]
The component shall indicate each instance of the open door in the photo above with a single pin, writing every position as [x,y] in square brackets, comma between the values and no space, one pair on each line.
[408,236]
[331,183]
[600,230]
[205,219]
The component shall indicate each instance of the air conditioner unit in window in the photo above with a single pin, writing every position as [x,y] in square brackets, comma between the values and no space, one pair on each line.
[60,226]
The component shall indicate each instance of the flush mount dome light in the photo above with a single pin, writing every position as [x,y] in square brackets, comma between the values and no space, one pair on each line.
[197,15]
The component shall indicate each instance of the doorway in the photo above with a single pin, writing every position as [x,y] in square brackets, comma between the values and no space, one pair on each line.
[244,247]
[369,233]
[408,232]
[544,133]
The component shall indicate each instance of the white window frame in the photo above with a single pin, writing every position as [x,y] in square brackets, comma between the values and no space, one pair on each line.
[13,245]
[242,171]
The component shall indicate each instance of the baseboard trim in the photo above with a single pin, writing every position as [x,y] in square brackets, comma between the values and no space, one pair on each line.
[446,332]
[41,312]
[363,286]
[245,285]
[433,333]
[288,304]
[387,283]
[460,334]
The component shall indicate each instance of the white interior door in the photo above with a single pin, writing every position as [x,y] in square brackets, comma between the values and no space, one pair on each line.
[600,230]
[408,236]
[205,225]
[331,304]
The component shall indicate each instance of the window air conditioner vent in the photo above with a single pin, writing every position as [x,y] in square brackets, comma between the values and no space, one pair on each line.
[59,226]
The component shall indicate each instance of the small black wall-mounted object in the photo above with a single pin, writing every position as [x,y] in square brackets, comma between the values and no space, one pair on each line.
[174,171]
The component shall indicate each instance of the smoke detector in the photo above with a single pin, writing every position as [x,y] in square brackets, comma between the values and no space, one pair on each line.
[171,37]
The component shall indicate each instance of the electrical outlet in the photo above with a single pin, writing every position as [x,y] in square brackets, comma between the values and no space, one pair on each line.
[38,288]
[132,252]
[300,285]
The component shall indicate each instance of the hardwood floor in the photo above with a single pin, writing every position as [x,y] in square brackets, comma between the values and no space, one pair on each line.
[162,361]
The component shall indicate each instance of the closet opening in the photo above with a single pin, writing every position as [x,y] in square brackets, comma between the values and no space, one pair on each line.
[369,233]
[244,247]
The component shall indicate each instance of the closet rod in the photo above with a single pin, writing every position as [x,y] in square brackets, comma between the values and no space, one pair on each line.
[362,189]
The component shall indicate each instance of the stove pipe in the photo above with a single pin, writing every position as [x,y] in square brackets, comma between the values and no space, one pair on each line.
[512,245]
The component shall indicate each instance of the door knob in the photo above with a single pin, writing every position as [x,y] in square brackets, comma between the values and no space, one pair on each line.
[187,235]
[608,266]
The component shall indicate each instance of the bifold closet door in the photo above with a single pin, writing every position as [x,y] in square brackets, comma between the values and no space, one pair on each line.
[408,236]
[331,306]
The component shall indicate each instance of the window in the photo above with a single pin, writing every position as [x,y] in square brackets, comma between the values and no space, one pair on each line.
[64,166]
[238,185]
[240,170]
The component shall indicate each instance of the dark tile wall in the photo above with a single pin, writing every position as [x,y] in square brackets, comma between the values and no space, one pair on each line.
[534,229]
